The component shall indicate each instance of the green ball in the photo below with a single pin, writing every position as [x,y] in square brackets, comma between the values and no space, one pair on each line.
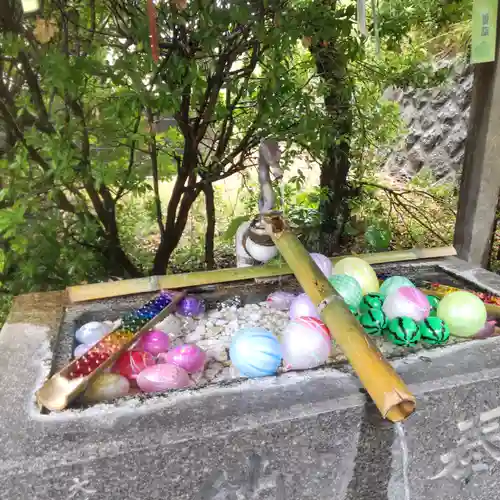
[373,321]
[403,331]
[391,284]
[434,302]
[348,288]
[371,301]
[434,331]
[463,312]
[354,311]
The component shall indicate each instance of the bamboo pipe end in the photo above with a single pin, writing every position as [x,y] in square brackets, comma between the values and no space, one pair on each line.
[398,406]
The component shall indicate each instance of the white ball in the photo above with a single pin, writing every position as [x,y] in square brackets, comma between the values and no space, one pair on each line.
[92,332]
[306,343]
[81,349]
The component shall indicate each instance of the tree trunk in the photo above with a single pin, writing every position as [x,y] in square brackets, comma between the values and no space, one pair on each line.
[210,231]
[331,64]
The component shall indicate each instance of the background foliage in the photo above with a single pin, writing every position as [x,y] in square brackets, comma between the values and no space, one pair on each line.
[109,162]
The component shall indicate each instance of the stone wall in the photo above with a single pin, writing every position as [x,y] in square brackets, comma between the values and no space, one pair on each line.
[437,128]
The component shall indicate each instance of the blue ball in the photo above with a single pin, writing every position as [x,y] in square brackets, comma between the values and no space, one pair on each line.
[256,352]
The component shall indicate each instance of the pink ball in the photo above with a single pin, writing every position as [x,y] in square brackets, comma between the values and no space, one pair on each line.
[162,377]
[187,356]
[407,302]
[153,342]
[302,306]
[324,263]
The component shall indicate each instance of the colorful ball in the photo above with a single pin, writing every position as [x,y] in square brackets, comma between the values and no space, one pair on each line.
[434,302]
[488,330]
[256,352]
[324,263]
[162,377]
[188,356]
[105,387]
[191,306]
[131,363]
[306,343]
[154,342]
[348,288]
[280,300]
[302,306]
[359,270]
[408,302]
[391,284]
[463,312]
[92,332]
[371,301]
[354,311]
[403,332]
[373,321]
[434,331]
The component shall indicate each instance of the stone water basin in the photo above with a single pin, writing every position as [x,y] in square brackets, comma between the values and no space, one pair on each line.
[299,435]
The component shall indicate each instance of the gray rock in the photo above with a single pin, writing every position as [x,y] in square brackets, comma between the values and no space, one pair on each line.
[431,138]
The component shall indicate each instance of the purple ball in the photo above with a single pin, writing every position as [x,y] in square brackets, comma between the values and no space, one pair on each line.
[191,306]
[302,306]
[323,262]
[187,356]
[154,342]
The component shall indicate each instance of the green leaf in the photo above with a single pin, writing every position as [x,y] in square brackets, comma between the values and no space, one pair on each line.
[378,237]
[230,232]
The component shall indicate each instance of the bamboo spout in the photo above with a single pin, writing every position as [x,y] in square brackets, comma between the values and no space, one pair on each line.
[384,385]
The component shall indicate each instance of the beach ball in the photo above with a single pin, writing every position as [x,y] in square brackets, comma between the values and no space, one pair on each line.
[323,262]
[373,321]
[408,302]
[306,343]
[372,300]
[92,332]
[280,300]
[393,283]
[434,331]
[302,306]
[256,352]
[463,312]
[162,377]
[154,342]
[348,288]
[359,270]
[188,356]
[106,386]
[131,363]
[434,302]
[403,332]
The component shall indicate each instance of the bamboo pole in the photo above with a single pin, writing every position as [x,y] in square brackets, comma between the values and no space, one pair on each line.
[384,385]
[83,293]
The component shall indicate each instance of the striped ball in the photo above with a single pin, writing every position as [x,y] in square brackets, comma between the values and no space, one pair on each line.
[373,321]
[434,302]
[434,331]
[371,301]
[256,352]
[403,332]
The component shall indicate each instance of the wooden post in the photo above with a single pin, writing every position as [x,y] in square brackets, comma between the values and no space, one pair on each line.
[480,182]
